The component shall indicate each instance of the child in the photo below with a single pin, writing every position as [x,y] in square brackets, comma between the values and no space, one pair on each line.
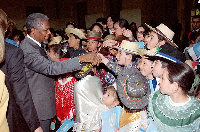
[93,44]
[171,108]
[162,58]
[126,56]
[146,69]
[55,52]
[110,118]
[75,42]
[65,107]
[133,91]
[159,36]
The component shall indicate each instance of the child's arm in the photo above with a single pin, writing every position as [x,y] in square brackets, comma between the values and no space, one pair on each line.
[111,64]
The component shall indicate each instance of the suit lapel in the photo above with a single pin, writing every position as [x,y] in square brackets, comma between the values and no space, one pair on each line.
[37,47]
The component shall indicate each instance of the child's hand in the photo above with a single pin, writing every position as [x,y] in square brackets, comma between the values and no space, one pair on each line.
[103,59]
[58,118]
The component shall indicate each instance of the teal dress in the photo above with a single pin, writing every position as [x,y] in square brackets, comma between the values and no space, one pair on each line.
[169,118]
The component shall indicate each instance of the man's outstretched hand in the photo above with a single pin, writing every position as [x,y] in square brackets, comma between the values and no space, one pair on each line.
[90,57]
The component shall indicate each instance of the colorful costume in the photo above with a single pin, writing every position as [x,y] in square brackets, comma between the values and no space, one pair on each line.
[65,107]
[87,96]
[173,117]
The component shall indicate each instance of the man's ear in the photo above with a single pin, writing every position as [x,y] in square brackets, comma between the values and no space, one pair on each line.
[33,30]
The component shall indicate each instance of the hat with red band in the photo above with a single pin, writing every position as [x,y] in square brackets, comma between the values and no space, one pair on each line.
[93,35]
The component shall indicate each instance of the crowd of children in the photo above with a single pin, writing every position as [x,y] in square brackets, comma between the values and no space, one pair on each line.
[143,83]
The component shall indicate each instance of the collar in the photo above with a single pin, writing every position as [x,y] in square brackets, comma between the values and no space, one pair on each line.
[38,43]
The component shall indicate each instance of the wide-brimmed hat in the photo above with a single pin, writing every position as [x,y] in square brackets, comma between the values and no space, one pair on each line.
[168,54]
[94,35]
[75,31]
[133,89]
[129,47]
[165,32]
[55,40]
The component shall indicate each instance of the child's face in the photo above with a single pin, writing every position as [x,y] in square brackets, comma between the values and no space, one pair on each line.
[157,68]
[121,58]
[153,42]
[139,34]
[92,46]
[165,85]
[73,42]
[110,23]
[54,56]
[146,67]
[97,29]
[108,98]
[147,38]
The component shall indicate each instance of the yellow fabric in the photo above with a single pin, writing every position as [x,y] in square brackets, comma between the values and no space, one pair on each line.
[127,118]
[3,104]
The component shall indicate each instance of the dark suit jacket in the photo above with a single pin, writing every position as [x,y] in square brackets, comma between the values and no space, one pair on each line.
[21,113]
[39,71]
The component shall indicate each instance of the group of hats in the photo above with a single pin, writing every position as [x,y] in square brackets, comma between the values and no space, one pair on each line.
[133,88]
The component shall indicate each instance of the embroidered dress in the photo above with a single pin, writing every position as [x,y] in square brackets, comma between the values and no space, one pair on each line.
[65,107]
[173,117]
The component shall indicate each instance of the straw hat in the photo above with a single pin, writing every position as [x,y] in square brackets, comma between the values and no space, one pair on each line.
[133,89]
[94,35]
[55,40]
[129,47]
[165,32]
[75,31]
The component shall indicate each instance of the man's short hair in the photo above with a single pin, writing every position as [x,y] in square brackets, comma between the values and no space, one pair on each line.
[35,20]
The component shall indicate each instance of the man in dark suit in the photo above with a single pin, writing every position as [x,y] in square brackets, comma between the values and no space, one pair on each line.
[21,112]
[40,69]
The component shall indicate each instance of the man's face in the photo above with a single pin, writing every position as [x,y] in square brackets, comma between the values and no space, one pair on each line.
[195,23]
[42,32]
